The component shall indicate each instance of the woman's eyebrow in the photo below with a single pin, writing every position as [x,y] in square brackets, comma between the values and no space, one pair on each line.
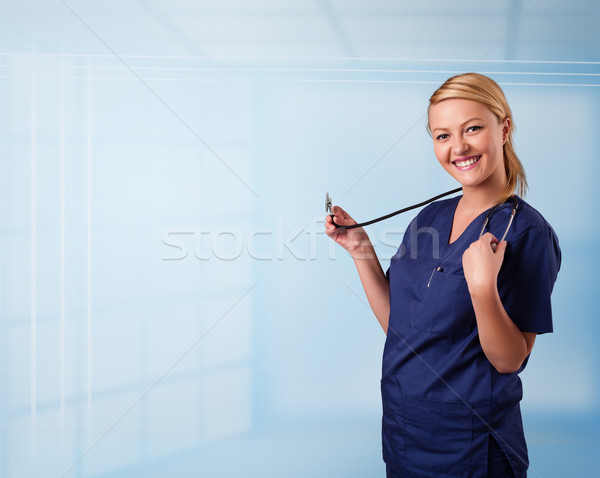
[461,125]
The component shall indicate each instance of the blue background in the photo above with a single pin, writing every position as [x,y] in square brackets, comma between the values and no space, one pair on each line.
[169,303]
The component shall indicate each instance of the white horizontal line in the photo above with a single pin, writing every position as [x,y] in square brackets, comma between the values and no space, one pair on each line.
[286,80]
[259,69]
[300,58]
[548,84]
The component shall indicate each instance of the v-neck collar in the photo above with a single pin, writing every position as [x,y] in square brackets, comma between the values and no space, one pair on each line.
[449,221]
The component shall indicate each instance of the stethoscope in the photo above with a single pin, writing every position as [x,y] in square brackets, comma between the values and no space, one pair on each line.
[328,205]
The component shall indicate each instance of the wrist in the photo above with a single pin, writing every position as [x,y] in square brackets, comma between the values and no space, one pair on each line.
[363,249]
[483,290]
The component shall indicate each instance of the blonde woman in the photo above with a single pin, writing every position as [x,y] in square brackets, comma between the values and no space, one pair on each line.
[461,309]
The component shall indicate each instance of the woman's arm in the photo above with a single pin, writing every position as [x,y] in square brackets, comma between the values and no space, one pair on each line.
[504,345]
[374,280]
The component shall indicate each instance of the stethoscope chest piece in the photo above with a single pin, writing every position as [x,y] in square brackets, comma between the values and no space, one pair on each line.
[328,203]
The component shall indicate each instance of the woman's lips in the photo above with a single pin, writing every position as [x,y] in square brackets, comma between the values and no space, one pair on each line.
[464,164]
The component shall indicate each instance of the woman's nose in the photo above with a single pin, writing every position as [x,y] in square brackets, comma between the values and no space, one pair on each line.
[460,146]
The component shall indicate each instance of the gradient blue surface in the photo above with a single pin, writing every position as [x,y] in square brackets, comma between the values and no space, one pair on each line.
[169,303]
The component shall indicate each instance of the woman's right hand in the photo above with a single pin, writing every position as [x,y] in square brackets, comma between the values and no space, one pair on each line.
[355,241]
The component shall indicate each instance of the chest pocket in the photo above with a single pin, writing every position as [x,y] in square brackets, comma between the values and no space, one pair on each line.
[445,307]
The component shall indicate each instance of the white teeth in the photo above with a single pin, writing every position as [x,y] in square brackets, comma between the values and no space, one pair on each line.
[468,162]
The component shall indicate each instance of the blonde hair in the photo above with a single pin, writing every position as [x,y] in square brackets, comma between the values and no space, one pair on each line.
[484,90]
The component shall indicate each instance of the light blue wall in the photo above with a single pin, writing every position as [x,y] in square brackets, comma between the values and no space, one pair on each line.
[169,303]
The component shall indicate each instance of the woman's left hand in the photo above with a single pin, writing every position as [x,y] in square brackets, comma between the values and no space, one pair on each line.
[481,264]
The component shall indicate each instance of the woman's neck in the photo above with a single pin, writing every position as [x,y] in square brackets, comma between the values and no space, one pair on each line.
[479,198]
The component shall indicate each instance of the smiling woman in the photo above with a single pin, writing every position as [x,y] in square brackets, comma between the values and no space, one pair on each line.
[468,142]
[462,313]
[133,136]
[490,109]
[473,145]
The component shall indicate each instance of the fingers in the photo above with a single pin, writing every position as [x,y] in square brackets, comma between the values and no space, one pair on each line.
[500,249]
[339,212]
[341,217]
[488,242]
[329,226]
[332,223]
[497,247]
[489,238]
[482,261]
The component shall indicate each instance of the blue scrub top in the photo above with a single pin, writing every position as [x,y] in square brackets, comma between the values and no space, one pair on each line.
[441,396]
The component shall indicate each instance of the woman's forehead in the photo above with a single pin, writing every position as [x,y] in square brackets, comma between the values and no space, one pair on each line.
[455,111]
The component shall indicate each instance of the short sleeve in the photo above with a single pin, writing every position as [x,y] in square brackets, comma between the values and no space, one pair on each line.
[527,277]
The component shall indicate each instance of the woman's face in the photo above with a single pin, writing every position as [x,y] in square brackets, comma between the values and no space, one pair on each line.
[468,141]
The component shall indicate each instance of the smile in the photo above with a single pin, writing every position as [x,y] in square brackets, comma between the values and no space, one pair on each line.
[466,162]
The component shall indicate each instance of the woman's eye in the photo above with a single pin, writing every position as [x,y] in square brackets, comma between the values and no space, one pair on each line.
[474,128]
[441,137]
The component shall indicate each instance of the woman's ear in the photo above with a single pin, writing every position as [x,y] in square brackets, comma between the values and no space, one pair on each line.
[506,127]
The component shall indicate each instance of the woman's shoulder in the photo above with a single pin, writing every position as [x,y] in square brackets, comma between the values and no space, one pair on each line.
[534,242]
[530,220]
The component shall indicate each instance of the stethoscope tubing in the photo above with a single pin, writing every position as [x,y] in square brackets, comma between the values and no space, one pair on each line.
[512,216]
[439,196]
[400,211]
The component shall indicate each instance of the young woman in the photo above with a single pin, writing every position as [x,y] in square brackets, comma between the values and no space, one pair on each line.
[461,309]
